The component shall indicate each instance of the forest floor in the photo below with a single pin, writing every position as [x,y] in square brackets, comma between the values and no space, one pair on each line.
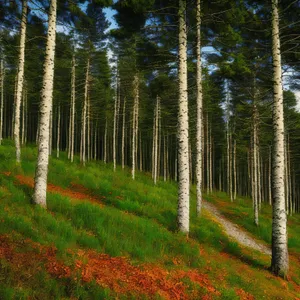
[104,236]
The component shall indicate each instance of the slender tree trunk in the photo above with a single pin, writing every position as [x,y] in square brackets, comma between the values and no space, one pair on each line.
[211,159]
[23,114]
[20,80]
[280,260]
[269,176]
[234,170]
[123,134]
[183,127]
[135,123]
[105,143]
[255,164]
[96,142]
[84,113]
[115,128]
[58,132]
[40,184]
[155,140]
[2,74]
[72,111]
[165,159]
[199,151]
[51,130]
[73,91]
[141,153]
[88,120]
[207,155]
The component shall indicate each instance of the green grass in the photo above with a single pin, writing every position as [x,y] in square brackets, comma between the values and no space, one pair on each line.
[138,220]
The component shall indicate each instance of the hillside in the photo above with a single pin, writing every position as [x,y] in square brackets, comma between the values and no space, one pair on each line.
[105,236]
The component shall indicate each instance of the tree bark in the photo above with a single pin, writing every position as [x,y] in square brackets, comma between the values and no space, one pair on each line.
[58,132]
[84,113]
[280,261]
[123,134]
[135,123]
[2,74]
[183,127]
[20,80]
[41,173]
[199,114]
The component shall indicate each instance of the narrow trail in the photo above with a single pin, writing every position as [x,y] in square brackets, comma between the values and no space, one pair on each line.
[235,232]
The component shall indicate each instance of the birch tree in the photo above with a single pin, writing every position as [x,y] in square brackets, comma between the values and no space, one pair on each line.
[41,172]
[135,123]
[2,74]
[199,113]
[183,127]
[20,80]
[280,260]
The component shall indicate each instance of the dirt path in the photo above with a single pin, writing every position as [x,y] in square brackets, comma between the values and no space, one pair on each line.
[235,232]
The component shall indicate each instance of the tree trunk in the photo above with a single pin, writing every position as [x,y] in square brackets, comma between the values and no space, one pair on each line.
[269,176]
[73,91]
[255,164]
[84,113]
[207,155]
[155,140]
[40,184]
[280,261]
[50,130]
[115,128]
[199,114]
[105,143]
[234,170]
[24,103]
[20,80]
[58,132]
[135,123]
[123,134]
[183,127]
[2,74]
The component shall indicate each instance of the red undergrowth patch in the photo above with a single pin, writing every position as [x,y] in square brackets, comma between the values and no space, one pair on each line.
[244,295]
[115,273]
[77,192]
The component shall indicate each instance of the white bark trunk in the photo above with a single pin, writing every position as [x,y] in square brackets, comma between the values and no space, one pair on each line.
[50,131]
[84,113]
[255,165]
[115,128]
[280,261]
[20,80]
[40,184]
[199,114]
[183,127]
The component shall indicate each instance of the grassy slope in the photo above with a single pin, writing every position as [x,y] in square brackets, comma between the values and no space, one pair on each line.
[136,221]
